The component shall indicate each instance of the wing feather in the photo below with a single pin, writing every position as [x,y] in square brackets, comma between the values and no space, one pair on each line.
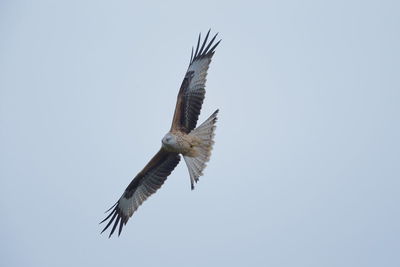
[146,183]
[192,92]
[204,42]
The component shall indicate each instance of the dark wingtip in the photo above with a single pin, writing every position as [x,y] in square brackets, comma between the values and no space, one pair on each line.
[114,213]
[191,56]
[108,216]
[204,43]
[121,225]
[197,47]
[113,218]
[215,46]
[115,225]
[111,207]
[205,49]
[117,219]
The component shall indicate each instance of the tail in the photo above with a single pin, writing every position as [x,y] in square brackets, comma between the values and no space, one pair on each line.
[205,135]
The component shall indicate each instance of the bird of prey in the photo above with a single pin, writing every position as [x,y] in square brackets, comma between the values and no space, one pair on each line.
[194,143]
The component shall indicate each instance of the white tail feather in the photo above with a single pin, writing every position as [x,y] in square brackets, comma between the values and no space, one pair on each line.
[205,134]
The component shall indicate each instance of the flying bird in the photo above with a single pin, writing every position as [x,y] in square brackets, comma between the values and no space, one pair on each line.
[194,143]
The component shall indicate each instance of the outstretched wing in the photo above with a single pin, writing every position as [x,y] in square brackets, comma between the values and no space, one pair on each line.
[146,183]
[192,92]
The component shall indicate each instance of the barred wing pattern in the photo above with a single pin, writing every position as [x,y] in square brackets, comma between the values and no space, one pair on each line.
[146,183]
[192,92]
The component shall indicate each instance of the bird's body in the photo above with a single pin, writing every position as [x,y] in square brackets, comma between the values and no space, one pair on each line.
[179,142]
[184,138]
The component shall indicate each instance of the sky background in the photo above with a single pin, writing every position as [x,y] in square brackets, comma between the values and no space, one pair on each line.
[306,166]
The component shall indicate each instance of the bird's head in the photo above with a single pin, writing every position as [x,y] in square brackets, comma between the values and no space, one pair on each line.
[169,141]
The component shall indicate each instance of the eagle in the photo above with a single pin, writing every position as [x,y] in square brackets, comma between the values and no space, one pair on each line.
[194,143]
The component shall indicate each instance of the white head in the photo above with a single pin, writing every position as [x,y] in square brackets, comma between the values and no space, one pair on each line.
[169,141]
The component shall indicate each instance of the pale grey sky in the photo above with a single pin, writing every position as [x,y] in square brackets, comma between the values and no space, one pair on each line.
[306,166]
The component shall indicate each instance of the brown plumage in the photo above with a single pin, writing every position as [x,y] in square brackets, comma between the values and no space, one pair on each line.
[195,144]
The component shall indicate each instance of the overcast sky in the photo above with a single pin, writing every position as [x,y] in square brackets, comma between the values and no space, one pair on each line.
[306,166]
